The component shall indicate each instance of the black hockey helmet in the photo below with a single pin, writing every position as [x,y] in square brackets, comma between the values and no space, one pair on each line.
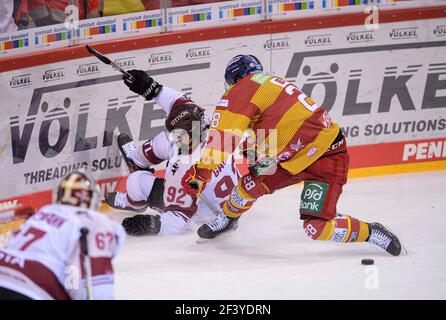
[240,66]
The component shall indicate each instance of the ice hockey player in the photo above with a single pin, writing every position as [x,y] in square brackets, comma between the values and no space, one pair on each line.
[180,145]
[49,259]
[310,147]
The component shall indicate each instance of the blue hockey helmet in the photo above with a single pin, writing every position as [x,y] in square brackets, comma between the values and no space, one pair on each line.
[240,66]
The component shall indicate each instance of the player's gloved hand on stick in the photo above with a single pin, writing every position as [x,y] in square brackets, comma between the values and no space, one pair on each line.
[195,179]
[143,85]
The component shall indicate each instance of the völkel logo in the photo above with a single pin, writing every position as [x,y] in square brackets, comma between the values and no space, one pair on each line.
[161,58]
[198,53]
[277,44]
[54,74]
[87,68]
[404,33]
[318,40]
[23,80]
[360,36]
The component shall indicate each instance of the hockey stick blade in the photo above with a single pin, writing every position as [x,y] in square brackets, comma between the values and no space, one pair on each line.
[98,55]
[106,60]
[219,238]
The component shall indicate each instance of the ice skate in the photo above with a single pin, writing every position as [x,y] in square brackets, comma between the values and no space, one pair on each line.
[118,200]
[384,238]
[220,225]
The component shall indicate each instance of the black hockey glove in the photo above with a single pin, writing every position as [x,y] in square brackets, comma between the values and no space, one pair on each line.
[142,224]
[143,85]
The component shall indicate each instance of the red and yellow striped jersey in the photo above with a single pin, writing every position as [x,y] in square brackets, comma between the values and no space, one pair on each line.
[288,125]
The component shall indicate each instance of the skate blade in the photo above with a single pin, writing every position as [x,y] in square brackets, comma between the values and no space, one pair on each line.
[403,248]
[219,238]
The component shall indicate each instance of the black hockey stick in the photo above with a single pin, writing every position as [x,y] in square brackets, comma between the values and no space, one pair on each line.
[106,60]
[87,263]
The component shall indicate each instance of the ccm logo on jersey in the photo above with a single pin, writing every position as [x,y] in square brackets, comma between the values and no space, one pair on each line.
[223,103]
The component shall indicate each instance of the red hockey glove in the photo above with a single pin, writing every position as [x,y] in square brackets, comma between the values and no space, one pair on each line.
[195,179]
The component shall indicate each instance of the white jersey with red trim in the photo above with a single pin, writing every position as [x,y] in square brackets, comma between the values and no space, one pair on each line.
[44,261]
[180,206]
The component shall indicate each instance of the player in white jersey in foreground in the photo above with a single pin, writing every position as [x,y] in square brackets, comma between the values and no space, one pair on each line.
[181,145]
[45,260]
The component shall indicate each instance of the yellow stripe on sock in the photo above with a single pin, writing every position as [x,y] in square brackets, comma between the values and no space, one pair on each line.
[230,213]
[328,231]
[243,194]
[349,229]
[363,232]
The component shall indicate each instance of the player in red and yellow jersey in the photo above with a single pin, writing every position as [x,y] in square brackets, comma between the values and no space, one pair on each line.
[296,141]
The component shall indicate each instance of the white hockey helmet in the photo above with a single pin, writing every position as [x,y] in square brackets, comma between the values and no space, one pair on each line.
[78,189]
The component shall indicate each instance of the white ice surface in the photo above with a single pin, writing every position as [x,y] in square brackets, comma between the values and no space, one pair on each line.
[270,257]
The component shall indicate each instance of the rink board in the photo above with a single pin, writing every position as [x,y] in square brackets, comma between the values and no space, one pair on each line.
[385,87]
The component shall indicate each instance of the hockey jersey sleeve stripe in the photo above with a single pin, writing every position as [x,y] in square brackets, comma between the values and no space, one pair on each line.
[100,266]
[153,151]
[180,101]
[149,154]
[38,273]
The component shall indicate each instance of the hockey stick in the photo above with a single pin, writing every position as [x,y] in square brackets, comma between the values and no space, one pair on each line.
[209,203]
[106,60]
[87,263]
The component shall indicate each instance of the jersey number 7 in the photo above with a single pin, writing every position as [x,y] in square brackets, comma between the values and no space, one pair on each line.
[32,235]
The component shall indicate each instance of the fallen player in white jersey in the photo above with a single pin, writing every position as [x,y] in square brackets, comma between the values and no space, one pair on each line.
[45,259]
[180,145]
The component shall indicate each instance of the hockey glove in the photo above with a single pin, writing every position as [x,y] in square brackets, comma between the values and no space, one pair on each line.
[195,179]
[142,224]
[143,85]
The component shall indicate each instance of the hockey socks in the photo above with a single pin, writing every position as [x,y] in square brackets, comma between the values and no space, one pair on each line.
[343,228]
[238,202]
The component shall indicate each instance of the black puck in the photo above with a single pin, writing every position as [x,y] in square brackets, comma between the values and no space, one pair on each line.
[367,262]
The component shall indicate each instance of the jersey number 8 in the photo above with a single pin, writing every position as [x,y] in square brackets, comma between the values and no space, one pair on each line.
[215,119]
